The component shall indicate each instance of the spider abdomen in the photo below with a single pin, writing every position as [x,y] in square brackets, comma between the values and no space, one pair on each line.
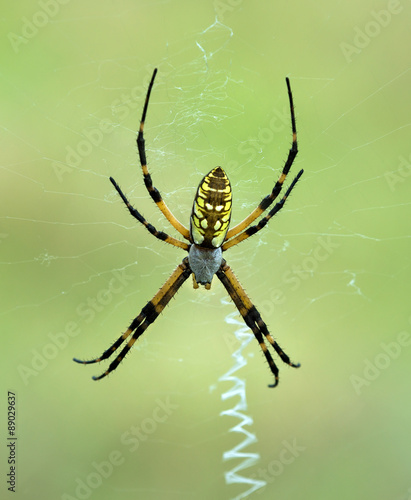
[210,216]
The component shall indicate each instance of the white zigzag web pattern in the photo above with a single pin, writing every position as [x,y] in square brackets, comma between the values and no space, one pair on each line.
[238,389]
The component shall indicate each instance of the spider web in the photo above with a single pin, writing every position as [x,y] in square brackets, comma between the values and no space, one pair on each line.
[77,267]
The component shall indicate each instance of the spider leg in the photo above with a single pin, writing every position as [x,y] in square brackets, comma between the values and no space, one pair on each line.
[153,191]
[268,200]
[254,229]
[147,316]
[252,318]
[136,214]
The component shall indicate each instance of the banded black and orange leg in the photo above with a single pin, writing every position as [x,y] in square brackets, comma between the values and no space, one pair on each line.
[252,318]
[254,229]
[136,214]
[147,316]
[268,200]
[153,191]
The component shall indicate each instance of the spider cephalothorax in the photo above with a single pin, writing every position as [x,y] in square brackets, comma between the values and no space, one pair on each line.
[209,236]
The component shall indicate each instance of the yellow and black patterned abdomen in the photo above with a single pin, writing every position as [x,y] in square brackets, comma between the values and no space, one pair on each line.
[211,212]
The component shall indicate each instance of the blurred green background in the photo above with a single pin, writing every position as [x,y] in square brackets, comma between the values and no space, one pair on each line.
[330,274]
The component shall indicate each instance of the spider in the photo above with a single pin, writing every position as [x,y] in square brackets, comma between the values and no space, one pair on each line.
[208,237]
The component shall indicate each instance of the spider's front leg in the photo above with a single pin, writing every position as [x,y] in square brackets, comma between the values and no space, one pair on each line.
[153,191]
[252,318]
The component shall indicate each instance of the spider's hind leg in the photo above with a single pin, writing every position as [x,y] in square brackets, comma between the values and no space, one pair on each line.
[252,319]
[106,354]
[147,316]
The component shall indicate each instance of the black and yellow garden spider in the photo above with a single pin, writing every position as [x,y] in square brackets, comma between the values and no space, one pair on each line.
[208,237]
